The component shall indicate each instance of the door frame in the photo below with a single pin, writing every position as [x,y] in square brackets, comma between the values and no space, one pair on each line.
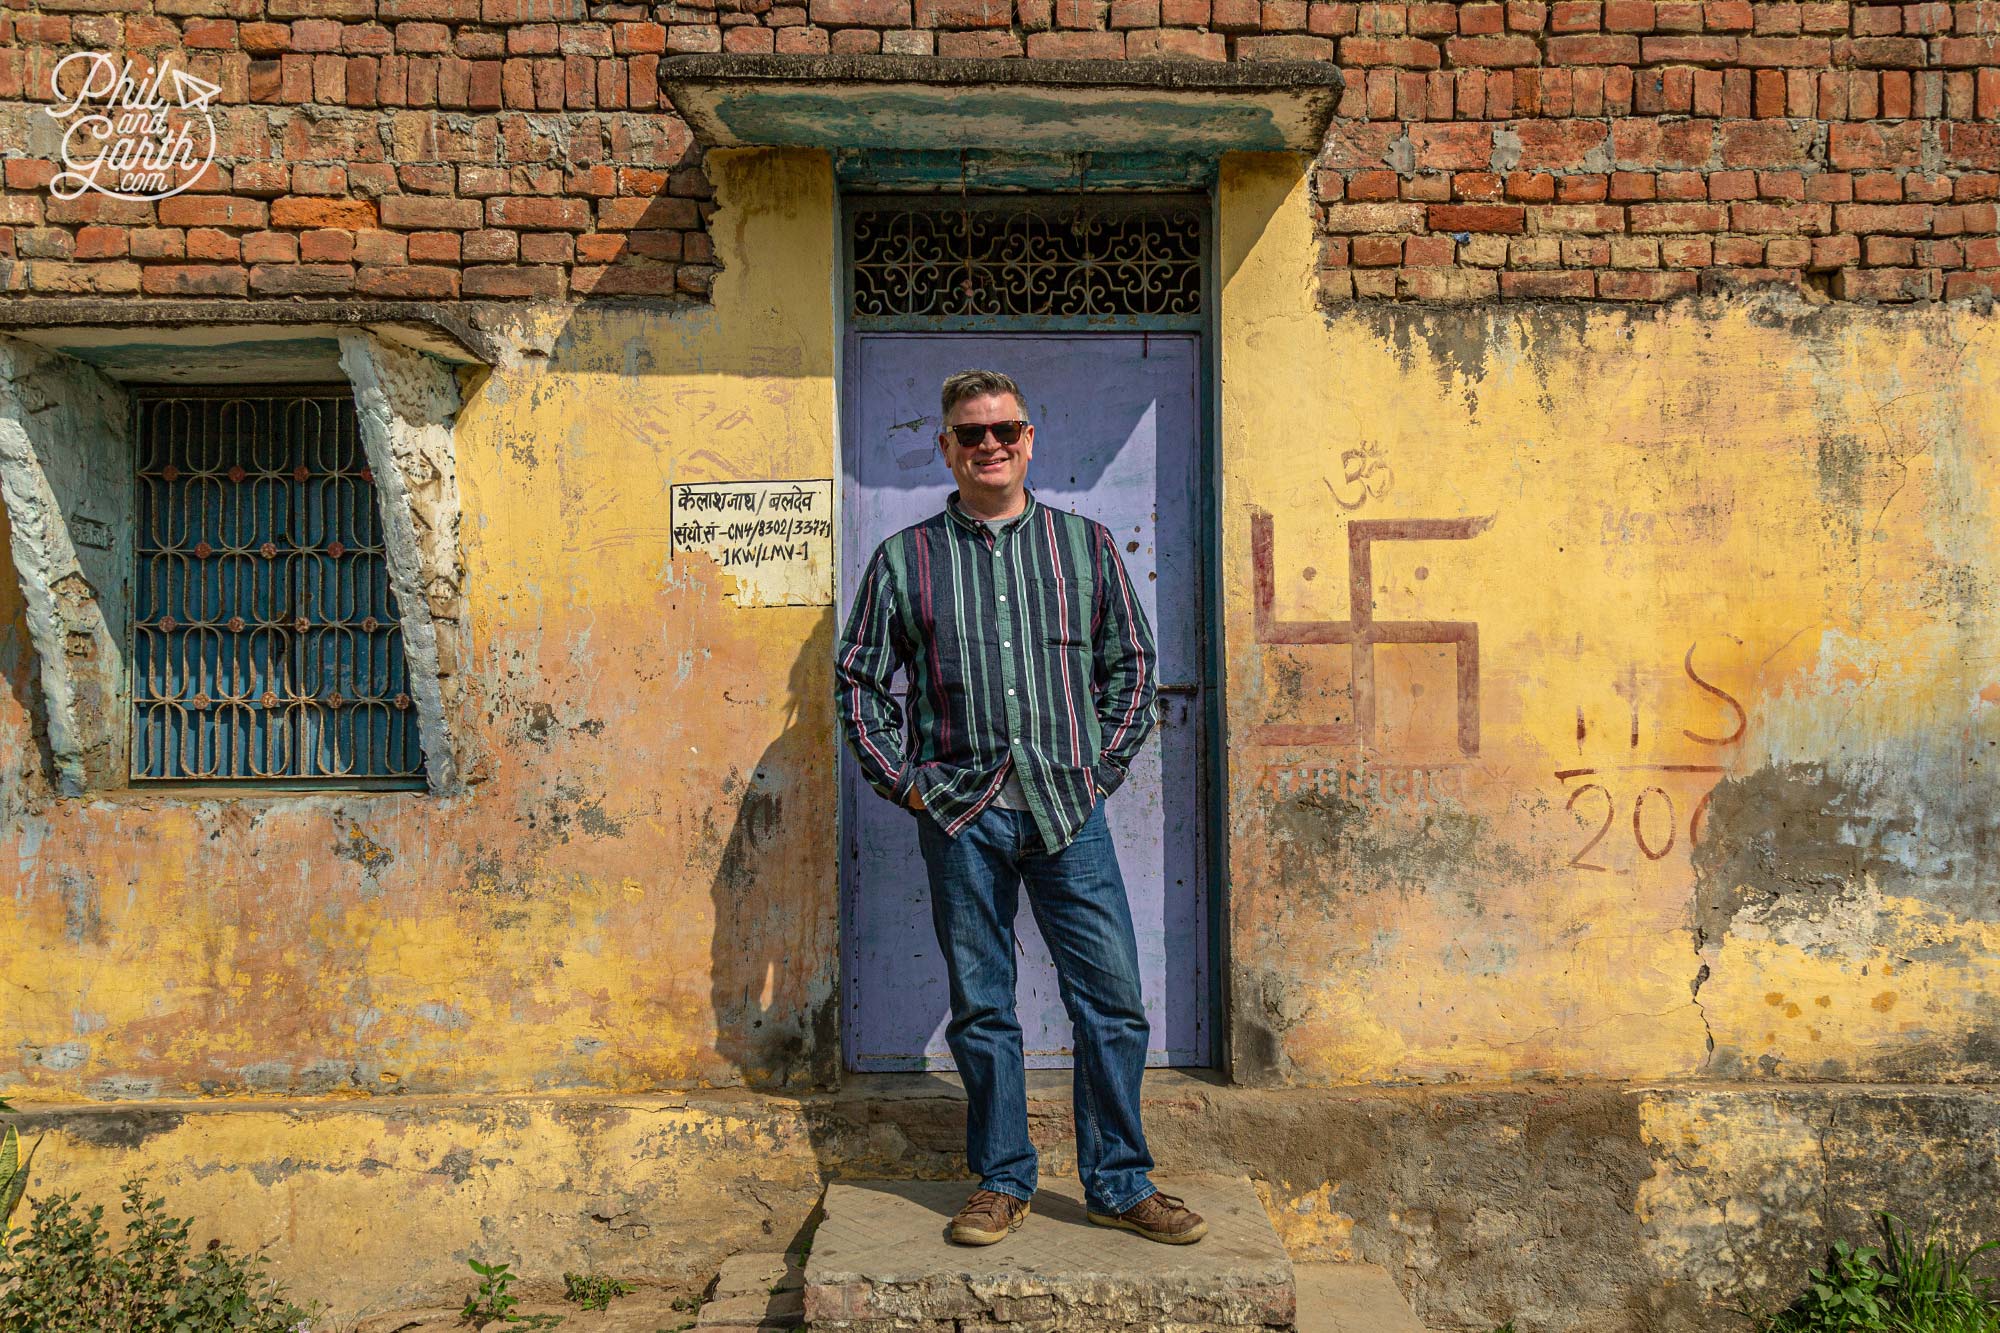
[858,189]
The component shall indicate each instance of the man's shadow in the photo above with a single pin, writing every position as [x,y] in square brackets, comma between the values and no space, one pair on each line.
[775,965]
[773,968]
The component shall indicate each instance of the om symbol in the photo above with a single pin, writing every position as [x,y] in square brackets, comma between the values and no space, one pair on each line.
[1364,475]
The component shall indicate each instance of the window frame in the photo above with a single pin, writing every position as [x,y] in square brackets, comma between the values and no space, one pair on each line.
[139,396]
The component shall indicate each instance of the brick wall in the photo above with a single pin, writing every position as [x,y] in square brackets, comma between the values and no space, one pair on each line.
[1626,150]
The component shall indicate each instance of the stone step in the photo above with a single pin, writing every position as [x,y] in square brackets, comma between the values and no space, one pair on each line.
[880,1263]
[1351,1298]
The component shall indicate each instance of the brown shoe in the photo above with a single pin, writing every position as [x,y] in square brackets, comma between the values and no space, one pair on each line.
[1160,1217]
[988,1216]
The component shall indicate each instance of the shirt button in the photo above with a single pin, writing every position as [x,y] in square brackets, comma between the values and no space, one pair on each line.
[1003,596]
[1006,643]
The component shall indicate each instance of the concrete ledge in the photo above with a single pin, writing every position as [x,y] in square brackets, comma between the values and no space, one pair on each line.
[1019,106]
[1608,1207]
[79,325]
[880,1261]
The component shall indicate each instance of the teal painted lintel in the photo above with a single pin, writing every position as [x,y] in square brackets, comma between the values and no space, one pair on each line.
[987,169]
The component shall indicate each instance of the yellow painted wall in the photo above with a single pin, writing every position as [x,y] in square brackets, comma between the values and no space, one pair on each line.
[640,892]
[1734,556]
[1666,516]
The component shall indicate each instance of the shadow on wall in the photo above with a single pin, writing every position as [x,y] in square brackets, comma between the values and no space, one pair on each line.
[767,945]
[34,761]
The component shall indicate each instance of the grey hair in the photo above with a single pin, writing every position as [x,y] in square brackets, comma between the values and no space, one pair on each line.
[976,383]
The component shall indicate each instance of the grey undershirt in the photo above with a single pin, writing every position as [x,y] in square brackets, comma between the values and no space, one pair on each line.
[1011,796]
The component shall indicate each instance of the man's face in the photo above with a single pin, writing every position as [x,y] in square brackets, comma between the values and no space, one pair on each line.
[988,469]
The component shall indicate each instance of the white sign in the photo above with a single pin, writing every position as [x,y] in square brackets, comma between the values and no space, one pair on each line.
[125,136]
[774,537]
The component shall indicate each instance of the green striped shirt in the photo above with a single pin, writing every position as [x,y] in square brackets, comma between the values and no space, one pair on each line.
[1024,651]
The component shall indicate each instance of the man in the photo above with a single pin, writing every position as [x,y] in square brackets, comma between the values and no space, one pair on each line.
[1031,685]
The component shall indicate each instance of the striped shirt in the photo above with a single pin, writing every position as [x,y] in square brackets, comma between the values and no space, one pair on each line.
[1023,651]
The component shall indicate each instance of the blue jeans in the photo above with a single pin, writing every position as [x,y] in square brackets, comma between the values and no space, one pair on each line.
[1078,898]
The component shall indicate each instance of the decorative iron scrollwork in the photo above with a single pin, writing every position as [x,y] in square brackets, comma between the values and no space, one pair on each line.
[266,643]
[1069,260]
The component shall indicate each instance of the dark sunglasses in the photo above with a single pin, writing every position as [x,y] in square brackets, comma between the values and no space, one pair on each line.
[971,433]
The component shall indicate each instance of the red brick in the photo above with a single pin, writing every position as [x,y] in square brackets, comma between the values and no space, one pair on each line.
[529,211]
[861,13]
[1501,218]
[1373,217]
[1076,45]
[194,280]
[1732,185]
[1376,251]
[498,280]
[1452,147]
[992,44]
[1291,47]
[1885,284]
[1834,251]
[1793,218]
[1963,285]
[1325,20]
[1559,145]
[1765,143]
[101,242]
[1492,52]
[1594,49]
[1650,218]
[1575,219]
[209,34]
[1479,17]
[294,211]
[1531,187]
[1405,51]
[1628,15]
[1969,51]
[1585,189]
[1912,219]
[1896,94]
[1568,16]
[1433,20]
[1871,145]
[1428,251]
[1886,52]
[418,213]
[1643,285]
[1581,284]
[1631,187]
[211,210]
[302,279]
[1690,50]
[1372,186]
[407,281]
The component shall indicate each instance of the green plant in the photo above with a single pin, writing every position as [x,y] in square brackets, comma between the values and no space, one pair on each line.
[593,1291]
[1903,1286]
[493,1301]
[13,1175]
[62,1276]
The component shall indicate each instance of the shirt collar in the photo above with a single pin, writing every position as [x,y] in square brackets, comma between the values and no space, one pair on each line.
[971,524]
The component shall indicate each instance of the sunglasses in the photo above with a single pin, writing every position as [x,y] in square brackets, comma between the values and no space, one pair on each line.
[971,433]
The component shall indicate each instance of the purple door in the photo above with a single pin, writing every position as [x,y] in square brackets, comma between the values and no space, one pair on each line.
[1117,429]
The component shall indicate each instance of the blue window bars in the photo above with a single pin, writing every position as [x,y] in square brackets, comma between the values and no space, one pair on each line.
[266,644]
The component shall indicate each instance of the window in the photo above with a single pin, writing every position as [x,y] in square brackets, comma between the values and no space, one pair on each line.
[266,643]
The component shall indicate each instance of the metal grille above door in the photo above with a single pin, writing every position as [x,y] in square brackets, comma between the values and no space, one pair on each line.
[1048,262]
[266,644]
